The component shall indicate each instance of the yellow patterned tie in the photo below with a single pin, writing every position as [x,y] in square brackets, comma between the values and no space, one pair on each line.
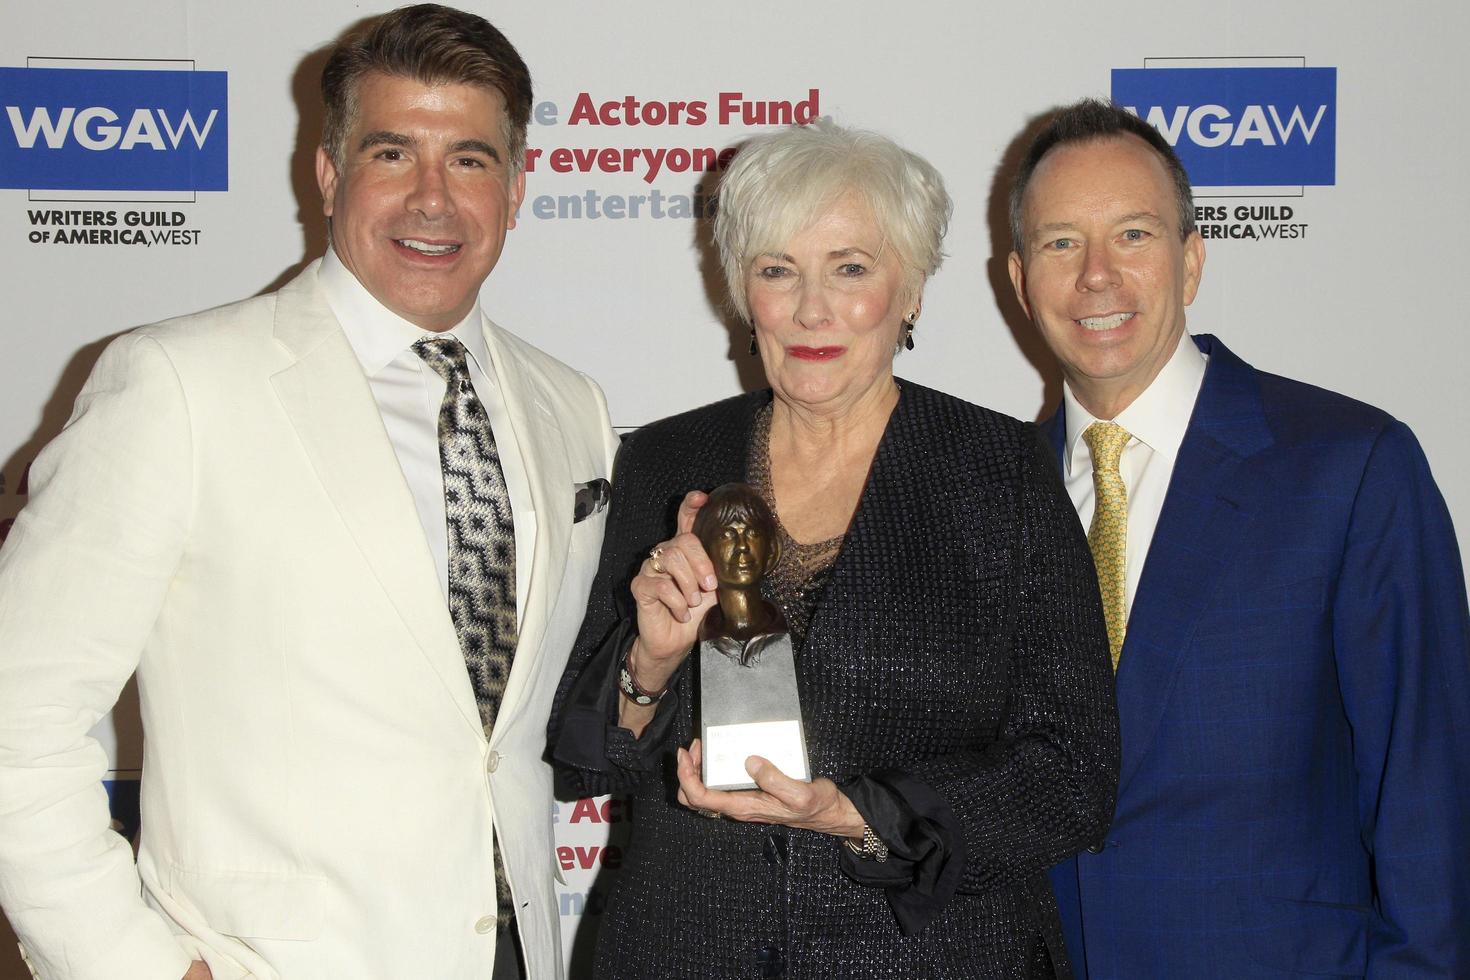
[1108,536]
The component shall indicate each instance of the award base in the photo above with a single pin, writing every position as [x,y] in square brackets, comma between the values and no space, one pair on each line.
[750,710]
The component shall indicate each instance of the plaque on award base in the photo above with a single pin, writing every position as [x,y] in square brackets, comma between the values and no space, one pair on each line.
[749,709]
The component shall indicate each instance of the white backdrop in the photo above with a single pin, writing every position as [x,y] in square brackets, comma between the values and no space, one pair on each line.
[1364,299]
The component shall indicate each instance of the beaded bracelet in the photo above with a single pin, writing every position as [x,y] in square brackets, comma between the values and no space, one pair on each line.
[630,687]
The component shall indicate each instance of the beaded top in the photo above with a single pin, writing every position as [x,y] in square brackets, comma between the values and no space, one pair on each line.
[796,583]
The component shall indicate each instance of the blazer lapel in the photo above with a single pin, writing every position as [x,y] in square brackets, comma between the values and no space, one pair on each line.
[1208,506]
[529,403]
[879,519]
[328,401]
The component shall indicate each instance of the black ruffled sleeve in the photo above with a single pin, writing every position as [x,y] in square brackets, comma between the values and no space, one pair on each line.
[590,738]
[926,851]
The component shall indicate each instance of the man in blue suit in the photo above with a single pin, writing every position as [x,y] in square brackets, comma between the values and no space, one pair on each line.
[1285,602]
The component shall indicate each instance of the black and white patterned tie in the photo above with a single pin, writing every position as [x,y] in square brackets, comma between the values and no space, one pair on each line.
[482,543]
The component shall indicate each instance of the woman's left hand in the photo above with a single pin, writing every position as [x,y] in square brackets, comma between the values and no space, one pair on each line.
[779,799]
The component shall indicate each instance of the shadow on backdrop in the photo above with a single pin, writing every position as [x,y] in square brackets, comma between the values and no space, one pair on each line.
[748,369]
[584,942]
[301,168]
[998,218]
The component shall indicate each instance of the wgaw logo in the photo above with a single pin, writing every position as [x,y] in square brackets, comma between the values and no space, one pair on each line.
[1241,126]
[109,129]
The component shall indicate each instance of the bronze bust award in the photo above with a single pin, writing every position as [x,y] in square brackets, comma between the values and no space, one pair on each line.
[747,671]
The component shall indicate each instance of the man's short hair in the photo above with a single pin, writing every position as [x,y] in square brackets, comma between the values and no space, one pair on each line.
[1087,121]
[782,182]
[434,45]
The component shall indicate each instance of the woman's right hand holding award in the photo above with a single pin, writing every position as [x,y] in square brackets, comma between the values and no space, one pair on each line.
[673,592]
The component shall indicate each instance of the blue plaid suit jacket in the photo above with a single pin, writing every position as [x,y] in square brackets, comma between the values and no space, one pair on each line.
[1294,695]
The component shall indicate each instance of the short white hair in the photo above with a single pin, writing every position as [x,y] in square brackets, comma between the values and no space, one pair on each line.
[781,183]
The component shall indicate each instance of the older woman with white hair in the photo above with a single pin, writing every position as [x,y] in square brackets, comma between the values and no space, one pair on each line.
[951,656]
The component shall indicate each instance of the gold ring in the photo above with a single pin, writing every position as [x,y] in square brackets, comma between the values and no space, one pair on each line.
[654,557]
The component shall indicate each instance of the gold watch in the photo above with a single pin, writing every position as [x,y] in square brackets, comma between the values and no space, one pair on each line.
[871,849]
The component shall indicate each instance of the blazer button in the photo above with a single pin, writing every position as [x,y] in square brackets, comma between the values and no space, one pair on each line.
[486,925]
[492,762]
[1097,848]
[771,962]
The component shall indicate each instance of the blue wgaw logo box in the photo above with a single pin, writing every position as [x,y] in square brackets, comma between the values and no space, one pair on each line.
[1241,127]
[114,129]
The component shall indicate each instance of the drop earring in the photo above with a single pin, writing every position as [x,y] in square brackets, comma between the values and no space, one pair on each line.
[908,334]
[753,349]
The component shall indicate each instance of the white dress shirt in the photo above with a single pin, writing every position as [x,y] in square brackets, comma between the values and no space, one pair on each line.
[409,394]
[1156,421]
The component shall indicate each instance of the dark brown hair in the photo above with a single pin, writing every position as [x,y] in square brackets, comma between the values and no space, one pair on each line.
[434,45]
[1087,121]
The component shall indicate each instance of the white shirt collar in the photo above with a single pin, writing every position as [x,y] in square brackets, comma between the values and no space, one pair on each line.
[377,334]
[1159,416]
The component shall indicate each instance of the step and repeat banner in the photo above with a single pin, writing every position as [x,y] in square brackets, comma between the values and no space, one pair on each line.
[156,158]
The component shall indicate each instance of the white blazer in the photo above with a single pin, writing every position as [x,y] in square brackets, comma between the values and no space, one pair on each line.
[225,516]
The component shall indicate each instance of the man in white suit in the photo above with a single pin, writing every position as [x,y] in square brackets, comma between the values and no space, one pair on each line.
[344,535]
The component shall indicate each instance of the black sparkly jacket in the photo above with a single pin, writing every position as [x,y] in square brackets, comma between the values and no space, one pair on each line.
[954,681]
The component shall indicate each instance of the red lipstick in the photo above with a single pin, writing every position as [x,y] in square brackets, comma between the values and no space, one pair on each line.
[816,353]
